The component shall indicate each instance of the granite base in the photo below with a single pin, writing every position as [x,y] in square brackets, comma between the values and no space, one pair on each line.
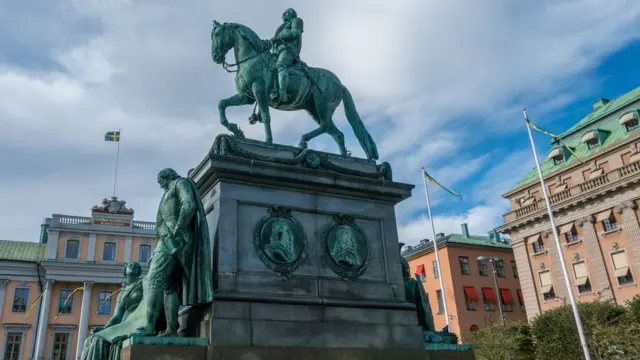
[169,348]
[291,353]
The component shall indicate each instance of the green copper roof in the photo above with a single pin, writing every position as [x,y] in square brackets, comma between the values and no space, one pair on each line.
[457,239]
[608,126]
[21,250]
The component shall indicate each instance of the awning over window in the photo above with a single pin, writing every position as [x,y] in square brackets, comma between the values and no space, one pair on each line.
[590,136]
[533,239]
[420,270]
[471,293]
[555,153]
[528,201]
[489,295]
[580,269]
[620,260]
[596,173]
[545,279]
[628,117]
[622,272]
[561,187]
[604,215]
[566,228]
[546,289]
[507,298]
[581,281]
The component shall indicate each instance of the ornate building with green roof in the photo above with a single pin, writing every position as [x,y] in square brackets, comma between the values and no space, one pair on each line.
[593,178]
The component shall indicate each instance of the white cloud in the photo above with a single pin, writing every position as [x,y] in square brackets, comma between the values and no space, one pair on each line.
[426,78]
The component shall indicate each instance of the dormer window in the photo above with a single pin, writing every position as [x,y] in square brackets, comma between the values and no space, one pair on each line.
[591,140]
[557,155]
[630,120]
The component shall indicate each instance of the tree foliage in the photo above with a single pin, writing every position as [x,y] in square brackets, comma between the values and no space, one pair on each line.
[612,333]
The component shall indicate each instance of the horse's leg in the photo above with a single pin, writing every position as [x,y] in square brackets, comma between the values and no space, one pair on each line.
[235,100]
[262,97]
[336,134]
[322,128]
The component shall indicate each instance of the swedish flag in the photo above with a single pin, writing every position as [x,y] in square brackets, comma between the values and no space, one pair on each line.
[554,136]
[436,183]
[112,136]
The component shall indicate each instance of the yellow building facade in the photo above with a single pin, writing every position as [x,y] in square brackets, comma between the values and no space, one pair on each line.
[595,198]
[53,292]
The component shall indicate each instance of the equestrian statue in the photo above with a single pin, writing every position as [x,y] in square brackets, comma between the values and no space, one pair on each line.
[269,73]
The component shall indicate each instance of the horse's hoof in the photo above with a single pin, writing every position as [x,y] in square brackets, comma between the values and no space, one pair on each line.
[302,144]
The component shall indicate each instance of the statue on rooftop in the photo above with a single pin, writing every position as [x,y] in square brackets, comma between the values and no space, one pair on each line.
[270,74]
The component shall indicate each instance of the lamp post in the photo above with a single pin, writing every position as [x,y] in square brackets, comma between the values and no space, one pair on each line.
[493,261]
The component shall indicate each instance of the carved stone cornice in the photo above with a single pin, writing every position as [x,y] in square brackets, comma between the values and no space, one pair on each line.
[587,219]
[546,234]
[88,285]
[627,205]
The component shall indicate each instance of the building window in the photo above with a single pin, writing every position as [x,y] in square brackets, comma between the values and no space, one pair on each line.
[483,268]
[546,285]
[436,274]
[622,270]
[60,346]
[20,299]
[144,253]
[440,302]
[558,160]
[632,125]
[609,224]
[470,298]
[582,277]
[630,120]
[109,251]
[571,237]
[520,299]
[538,247]
[507,300]
[592,144]
[72,249]
[13,346]
[65,303]
[514,268]
[464,265]
[499,264]
[489,299]
[104,301]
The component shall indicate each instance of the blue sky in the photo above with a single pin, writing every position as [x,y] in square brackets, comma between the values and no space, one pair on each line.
[436,87]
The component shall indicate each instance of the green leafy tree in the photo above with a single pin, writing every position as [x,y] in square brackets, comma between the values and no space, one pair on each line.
[498,342]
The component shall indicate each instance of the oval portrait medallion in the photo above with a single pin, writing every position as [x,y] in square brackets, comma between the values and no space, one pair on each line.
[347,247]
[280,241]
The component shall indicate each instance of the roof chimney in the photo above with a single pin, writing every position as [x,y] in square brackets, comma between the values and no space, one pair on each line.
[465,230]
[424,241]
[439,235]
[600,103]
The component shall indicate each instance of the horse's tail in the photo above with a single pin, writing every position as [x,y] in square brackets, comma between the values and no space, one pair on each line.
[363,136]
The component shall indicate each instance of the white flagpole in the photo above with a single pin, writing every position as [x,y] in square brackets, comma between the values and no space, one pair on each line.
[435,250]
[115,177]
[563,264]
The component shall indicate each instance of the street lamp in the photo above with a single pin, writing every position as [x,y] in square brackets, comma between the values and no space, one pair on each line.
[493,261]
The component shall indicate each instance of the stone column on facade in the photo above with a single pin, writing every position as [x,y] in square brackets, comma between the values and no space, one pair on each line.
[3,293]
[598,267]
[527,284]
[559,285]
[631,228]
[45,304]
[83,325]
[91,249]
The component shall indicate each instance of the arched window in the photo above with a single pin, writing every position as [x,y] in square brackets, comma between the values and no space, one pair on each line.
[144,253]
[72,249]
[109,251]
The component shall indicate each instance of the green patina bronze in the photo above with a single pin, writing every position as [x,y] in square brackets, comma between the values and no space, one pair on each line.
[346,246]
[106,342]
[280,241]
[180,273]
[271,74]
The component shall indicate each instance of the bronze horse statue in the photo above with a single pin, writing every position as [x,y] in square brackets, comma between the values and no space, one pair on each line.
[316,90]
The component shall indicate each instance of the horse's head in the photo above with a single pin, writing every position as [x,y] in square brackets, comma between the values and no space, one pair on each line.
[221,41]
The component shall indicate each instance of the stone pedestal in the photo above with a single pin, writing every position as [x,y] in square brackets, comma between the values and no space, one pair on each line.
[153,348]
[306,248]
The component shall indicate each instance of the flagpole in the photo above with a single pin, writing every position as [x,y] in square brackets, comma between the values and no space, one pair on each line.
[563,264]
[115,177]
[435,250]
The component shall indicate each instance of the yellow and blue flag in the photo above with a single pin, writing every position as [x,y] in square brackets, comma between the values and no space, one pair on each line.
[436,183]
[112,136]
[554,136]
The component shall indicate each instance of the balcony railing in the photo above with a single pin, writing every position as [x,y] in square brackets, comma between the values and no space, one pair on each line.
[85,221]
[620,174]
